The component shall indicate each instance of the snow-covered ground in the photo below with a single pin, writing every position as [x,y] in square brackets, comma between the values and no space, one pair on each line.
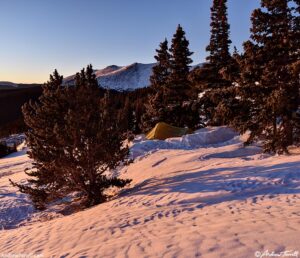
[202,195]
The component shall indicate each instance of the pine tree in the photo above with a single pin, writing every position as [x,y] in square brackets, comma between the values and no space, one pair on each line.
[94,143]
[209,75]
[178,86]
[215,78]
[172,99]
[161,71]
[219,40]
[179,107]
[73,141]
[42,118]
[267,82]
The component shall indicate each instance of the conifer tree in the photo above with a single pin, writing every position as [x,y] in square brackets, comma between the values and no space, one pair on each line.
[43,117]
[178,86]
[218,48]
[268,85]
[161,71]
[159,79]
[172,100]
[215,78]
[73,141]
[208,76]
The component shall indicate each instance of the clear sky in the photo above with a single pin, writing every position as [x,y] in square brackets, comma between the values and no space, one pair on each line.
[37,36]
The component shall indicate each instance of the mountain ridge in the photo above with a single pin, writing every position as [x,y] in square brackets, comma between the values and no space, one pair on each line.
[120,78]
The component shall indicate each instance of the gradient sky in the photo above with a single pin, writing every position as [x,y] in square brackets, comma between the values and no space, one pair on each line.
[37,36]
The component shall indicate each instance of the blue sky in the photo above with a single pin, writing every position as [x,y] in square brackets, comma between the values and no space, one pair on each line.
[37,36]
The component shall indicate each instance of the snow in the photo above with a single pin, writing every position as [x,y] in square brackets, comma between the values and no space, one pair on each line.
[123,78]
[201,195]
[202,138]
[127,78]
[14,140]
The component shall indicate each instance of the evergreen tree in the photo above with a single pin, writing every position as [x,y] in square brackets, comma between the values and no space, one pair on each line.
[178,86]
[73,141]
[172,101]
[42,117]
[161,71]
[268,84]
[215,78]
[219,40]
[208,76]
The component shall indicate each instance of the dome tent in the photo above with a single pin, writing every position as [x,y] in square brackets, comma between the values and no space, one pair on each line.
[162,131]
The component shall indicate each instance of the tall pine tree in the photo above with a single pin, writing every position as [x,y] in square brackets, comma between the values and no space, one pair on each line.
[159,79]
[208,76]
[215,78]
[161,71]
[218,47]
[178,86]
[171,101]
[268,85]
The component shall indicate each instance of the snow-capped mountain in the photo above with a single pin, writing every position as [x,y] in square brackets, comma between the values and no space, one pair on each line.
[123,78]
[129,77]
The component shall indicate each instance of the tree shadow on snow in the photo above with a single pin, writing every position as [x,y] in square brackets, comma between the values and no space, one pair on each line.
[239,183]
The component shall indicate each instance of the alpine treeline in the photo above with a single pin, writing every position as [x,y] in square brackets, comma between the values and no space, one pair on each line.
[76,133]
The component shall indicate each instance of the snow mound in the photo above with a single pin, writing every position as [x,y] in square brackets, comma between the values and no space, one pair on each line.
[206,137]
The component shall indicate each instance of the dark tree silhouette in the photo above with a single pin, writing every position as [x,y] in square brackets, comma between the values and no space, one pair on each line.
[269,83]
[73,141]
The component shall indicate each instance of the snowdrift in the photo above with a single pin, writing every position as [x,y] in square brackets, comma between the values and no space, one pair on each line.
[206,137]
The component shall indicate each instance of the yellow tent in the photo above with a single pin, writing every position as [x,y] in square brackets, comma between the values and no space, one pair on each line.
[163,131]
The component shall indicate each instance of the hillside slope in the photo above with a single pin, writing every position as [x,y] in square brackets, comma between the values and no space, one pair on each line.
[122,78]
[202,195]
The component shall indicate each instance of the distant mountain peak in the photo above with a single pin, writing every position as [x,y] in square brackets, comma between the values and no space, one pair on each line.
[122,78]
